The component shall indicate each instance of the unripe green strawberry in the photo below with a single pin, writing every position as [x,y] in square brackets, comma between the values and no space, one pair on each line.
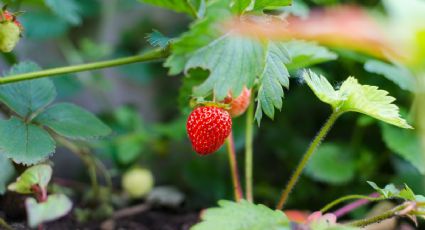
[10,32]
[238,105]
[137,182]
[207,128]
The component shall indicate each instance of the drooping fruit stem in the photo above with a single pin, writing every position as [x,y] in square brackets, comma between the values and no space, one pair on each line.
[306,157]
[249,151]
[148,56]
[361,200]
[234,168]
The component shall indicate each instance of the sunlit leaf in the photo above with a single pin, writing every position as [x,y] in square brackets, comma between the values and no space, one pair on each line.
[243,215]
[56,206]
[191,7]
[354,97]
[36,175]
[271,4]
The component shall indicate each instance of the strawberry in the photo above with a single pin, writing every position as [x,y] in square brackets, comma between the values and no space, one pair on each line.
[238,105]
[207,128]
[10,31]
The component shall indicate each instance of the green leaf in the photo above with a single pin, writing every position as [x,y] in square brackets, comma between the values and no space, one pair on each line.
[73,122]
[191,7]
[43,25]
[390,191]
[233,61]
[7,173]
[243,215]
[36,175]
[354,97]
[67,10]
[129,148]
[271,4]
[304,54]
[56,206]
[30,96]
[395,73]
[26,143]
[406,144]
[274,76]
[340,171]
[201,33]
[240,6]
[156,38]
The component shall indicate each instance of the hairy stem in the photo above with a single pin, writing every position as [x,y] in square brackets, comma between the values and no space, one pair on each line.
[148,56]
[378,218]
[249,151]
[311,149]
[5,225]
[234,168]
[373,197]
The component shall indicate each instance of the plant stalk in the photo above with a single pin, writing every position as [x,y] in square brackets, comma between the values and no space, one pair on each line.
[148,56]
[249,152]
[311,149]
[234,168]
[5,225]
[383,216]
[372,197]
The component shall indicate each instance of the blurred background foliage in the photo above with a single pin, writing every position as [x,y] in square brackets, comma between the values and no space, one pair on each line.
[141,104]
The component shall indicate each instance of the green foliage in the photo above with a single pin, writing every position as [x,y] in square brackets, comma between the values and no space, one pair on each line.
[304,54]
[390,191]
[243,215]
[43,25]
[8,171]
[191,7]
[395,73]
[354,97]
[233,62]
[36,175]
[28,97]
[406,144]
[271,4]
[67,10]
[56,206]
[331,164]
[71,121]
[26,143]
[273,77]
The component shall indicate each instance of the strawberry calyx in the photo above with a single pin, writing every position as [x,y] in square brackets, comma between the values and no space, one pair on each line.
[6,16]
[198,102]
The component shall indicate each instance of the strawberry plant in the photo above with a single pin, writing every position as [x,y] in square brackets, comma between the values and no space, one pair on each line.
[236,63]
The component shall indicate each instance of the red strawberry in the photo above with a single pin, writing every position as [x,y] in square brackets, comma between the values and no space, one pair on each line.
[238,105]
[207,128]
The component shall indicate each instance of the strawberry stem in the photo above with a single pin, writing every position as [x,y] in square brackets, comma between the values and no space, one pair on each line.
[234,168]
[148,56]
[249,151]
[307,155]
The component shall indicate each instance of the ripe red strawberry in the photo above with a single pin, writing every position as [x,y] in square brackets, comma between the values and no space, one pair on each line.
[207,128]
[238,105]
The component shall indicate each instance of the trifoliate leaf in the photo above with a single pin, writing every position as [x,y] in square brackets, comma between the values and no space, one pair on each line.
[67,10]
[395,73]
[156,38]
[25,143]
[56,206]
[7,173]
[191,7]
[233,62]
[73,122]
[36,175]
[390,191]
[30,96]
[406,144]
[354,97]
[274,76]
[304,54]
[243,215]
[271,4]
[340,171]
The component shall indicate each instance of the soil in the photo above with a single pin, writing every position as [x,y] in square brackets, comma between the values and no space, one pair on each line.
[153,219]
